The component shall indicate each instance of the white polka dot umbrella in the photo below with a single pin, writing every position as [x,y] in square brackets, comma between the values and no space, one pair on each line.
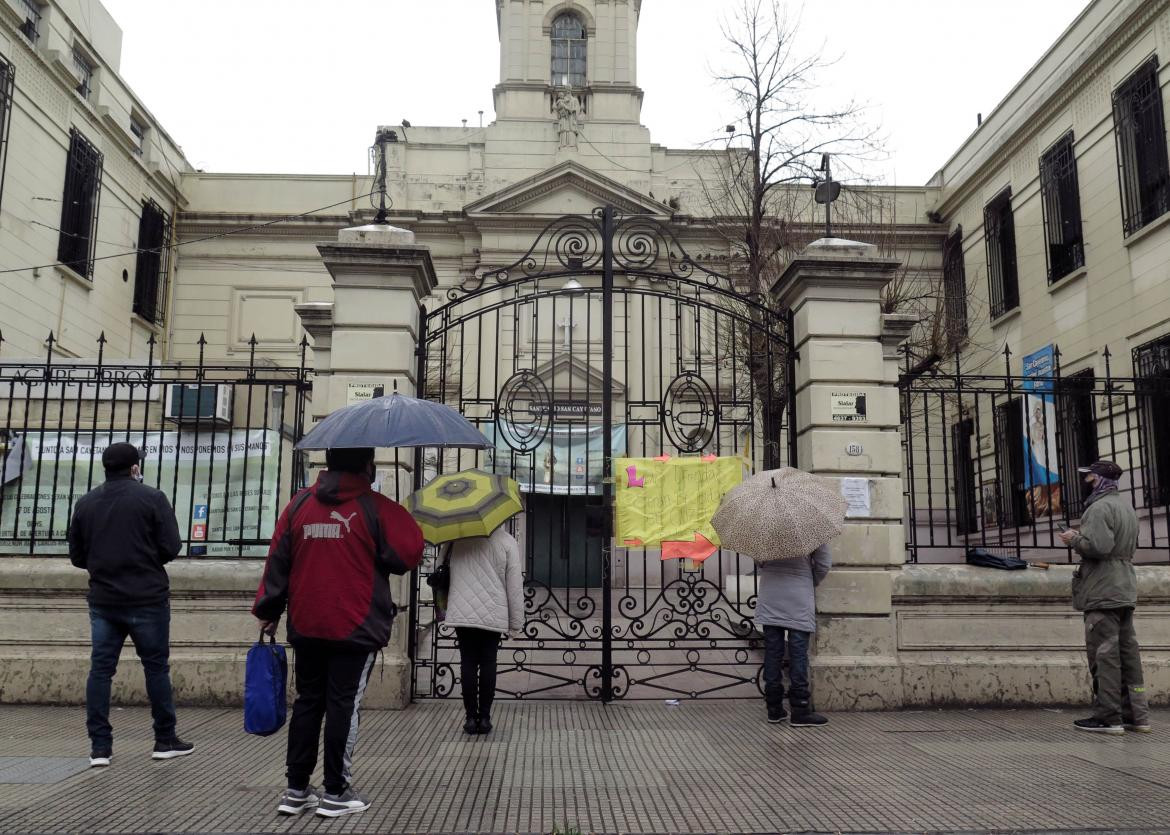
[780,515]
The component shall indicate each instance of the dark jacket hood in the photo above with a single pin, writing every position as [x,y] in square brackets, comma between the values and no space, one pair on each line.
[339,488]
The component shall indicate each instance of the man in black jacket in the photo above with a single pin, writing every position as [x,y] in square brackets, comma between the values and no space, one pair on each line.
[123,533]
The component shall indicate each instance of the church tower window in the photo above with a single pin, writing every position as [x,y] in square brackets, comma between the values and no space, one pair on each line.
[568,52]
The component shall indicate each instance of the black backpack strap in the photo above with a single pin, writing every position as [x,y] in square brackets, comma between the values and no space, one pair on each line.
[387,559]
[297,504]
[373,524]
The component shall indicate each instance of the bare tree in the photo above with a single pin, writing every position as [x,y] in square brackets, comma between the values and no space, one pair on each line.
[757,192]
[780,140]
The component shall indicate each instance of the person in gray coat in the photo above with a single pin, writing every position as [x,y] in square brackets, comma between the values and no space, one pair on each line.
[786,610]
[1105,589]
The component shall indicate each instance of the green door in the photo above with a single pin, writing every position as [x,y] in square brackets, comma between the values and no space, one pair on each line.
[563,552]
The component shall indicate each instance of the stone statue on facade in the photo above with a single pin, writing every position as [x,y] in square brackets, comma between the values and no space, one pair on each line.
[568,111]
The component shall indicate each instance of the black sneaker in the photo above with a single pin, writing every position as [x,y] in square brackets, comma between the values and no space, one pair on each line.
[777,715]
[1138,729]
[294,802]
[812,719]
[170,749]
[100,757]
[485,724]
[349,802]
[471,726]
[1096,726]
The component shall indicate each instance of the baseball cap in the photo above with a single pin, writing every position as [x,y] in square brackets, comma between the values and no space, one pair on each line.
[1105,469]
[120,456]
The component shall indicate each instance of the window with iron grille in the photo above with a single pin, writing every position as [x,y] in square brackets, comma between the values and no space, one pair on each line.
[568,52]
[7,82]
[138,131]
[1151,363]
[1065,247]
[999,231]
[1140,130]
[955,289]
[31,28]
[84,70]
[79,205]
[150,274]
[1009,463]
[1076,426]
[966,513]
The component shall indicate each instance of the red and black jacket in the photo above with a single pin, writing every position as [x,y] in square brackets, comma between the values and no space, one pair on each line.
[332,552]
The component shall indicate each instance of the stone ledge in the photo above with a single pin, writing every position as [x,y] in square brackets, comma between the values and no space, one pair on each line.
[925,584]
[188,575]
[203,679]
[939,680]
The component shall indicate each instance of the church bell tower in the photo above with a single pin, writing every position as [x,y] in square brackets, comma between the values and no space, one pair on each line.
[588,46]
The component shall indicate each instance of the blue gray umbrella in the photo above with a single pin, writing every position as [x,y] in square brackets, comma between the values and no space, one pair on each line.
[394,421]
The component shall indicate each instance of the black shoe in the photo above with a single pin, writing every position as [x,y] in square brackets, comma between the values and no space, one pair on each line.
[776,715]
[803,716]
[100,757]
[485,724]
[171,748]
[471,726]
[1096,726]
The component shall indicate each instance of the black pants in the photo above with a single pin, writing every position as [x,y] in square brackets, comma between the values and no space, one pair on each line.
[477,664]
[330,685]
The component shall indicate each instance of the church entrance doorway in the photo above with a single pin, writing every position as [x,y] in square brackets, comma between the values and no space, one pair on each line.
[605,340]
[565,552]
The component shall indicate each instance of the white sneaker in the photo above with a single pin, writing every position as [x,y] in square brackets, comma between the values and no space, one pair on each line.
[293,802]
[349,802]
[99,759]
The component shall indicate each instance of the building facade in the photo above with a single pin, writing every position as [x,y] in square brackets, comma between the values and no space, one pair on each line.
[565,334]
[89,177]
[1055,264]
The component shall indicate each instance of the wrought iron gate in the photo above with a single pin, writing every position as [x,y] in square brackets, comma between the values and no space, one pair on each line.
[606,339]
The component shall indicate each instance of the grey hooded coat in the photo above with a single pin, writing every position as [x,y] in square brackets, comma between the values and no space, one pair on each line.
[787,594]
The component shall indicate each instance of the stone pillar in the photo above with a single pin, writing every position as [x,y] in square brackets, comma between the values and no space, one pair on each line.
[834,291]
[366,339]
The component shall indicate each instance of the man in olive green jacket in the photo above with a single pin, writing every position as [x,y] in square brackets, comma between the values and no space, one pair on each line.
[1104,587]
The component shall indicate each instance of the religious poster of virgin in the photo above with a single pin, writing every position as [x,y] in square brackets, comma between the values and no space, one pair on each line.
[1041,473]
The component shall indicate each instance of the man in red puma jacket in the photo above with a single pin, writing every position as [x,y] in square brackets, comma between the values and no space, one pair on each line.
[332,551]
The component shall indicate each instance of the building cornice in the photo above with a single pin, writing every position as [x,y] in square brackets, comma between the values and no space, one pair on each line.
[1071,83]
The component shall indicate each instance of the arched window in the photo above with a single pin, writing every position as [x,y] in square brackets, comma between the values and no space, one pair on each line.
[568,51]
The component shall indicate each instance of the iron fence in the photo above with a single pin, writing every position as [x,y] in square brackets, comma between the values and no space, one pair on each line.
[217,439]
[991,459]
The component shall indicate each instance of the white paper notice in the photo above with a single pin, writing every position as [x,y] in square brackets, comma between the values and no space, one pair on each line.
[856,493]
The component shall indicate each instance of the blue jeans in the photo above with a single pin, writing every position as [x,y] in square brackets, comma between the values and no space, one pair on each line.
[797,667]
[149,628]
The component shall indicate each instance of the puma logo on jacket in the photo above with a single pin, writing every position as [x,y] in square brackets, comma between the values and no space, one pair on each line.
[332,552]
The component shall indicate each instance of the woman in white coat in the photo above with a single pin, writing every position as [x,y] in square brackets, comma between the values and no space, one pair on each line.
[485,602]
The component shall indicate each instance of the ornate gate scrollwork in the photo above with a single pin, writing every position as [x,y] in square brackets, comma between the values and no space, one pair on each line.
[606,339]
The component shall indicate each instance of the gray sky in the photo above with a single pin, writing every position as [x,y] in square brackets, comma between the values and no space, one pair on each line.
[298,86]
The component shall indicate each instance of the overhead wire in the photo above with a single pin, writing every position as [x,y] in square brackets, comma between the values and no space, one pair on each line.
[217,236]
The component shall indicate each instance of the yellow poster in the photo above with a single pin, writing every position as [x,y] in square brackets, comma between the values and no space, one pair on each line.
[668,502]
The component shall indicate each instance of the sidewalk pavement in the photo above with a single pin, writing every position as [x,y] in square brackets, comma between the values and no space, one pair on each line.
[629,767]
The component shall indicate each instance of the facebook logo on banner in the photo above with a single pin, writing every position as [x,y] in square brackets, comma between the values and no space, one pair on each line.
[200,511]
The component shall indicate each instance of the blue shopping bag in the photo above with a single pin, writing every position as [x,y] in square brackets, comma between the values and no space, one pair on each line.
[265,685]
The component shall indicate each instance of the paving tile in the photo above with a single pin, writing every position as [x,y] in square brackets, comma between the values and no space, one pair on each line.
[637,767]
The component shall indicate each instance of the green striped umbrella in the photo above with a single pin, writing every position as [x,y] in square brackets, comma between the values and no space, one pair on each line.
[463,504]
